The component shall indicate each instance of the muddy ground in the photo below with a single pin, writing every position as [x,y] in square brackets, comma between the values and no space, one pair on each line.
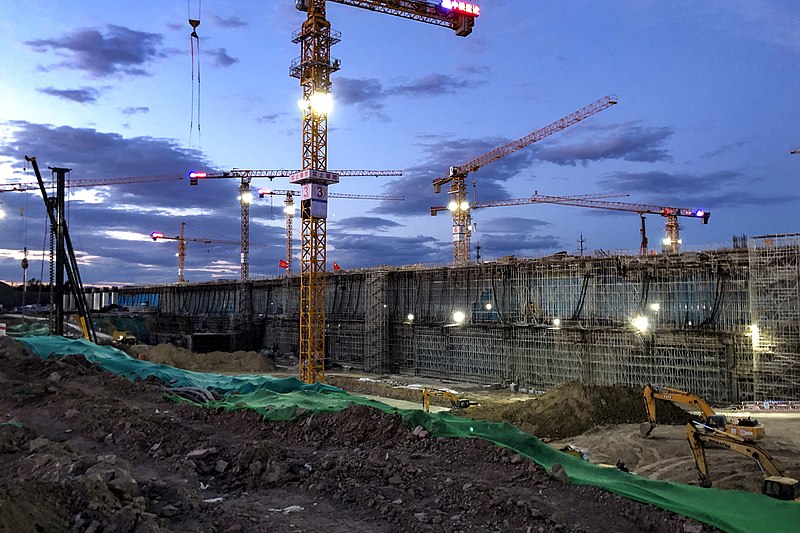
[82,450]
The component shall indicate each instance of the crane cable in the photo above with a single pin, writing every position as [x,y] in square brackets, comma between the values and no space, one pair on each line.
[194,42]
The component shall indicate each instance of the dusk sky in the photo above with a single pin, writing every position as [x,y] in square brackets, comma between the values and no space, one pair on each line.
[707,115]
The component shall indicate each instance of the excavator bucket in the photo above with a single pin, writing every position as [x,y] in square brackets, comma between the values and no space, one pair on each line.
[645,428]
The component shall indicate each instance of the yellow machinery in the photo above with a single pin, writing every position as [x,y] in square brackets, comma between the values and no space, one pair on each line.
[455,401]
[123,337]
[776,483]
[745,428]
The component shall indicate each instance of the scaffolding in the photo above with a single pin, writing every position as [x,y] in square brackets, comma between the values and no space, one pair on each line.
[720,323]
[775,308]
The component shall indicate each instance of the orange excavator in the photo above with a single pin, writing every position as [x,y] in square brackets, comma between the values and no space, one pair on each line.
[776,483]
[744,428]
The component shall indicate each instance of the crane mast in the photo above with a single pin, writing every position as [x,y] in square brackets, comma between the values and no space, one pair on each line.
[459,205]
[182,240]
[314,68]
[288,209]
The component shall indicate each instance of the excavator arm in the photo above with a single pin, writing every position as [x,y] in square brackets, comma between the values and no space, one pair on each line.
[678,396]
[776,484]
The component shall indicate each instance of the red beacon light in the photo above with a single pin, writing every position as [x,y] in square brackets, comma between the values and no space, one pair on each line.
[156,235]
[194,174]
[466,8]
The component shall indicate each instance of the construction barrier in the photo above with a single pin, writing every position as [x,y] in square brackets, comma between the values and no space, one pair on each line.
[288,398]
[2,329]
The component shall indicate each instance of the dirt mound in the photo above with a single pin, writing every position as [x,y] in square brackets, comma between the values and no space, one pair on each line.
[168,354]
[573,408]
[88,451]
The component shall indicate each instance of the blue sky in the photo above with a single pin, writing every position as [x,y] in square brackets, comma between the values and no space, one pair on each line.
[707,114]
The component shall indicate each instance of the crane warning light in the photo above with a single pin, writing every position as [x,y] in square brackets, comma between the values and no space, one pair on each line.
[466,8]
[194,175]
[699,213]
[156,235]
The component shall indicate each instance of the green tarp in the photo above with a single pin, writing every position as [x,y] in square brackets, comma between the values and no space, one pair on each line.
[284,399]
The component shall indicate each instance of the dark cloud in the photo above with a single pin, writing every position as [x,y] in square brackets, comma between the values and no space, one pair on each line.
[269,118]
[436,157]
[715,189]
[433,85]
[725,149]
[87,95]
[509,225]
[230,22]
[630,142]
[119,50]
[357,250]
[365,223]
[135,110]
[495,245]
[221,57]
[369,94]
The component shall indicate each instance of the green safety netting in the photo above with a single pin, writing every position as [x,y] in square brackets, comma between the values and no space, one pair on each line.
[284,399]
[28,329]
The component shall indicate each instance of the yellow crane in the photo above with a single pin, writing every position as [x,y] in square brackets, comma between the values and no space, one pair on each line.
[289,210]
[313,68]
[182,240]
[456,177]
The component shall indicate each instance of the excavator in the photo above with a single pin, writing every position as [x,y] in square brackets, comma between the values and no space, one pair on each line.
[455,401]
[745,428]
[776,483]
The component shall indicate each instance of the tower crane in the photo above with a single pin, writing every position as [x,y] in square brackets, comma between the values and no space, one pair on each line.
[182,240]
[29,186]
[245,176]
[314,68]
[289,209]
[457,175]
[671,242]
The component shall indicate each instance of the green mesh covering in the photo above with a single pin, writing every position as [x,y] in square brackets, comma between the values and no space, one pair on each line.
[284,399]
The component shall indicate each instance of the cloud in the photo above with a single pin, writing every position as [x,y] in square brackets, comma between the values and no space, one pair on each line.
[369,94]
[135,110]
[85,95]
[434,85]
[230,22]
[269,118]
[221,57]
[724,188]
[358,250]
[628,141]
[725,149]
[437,155]
[118,51]
[508,225]
[505,244]
[365,223]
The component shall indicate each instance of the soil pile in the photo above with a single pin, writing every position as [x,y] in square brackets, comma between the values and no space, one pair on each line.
[82,450]
[168,354]
[573,408]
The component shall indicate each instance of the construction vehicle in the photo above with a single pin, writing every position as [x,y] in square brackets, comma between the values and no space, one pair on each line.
[455,401]
[123,337]
[776,483]
[744,428]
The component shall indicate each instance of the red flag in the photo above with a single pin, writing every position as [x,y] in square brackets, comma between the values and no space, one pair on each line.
[283,263]
[336,266]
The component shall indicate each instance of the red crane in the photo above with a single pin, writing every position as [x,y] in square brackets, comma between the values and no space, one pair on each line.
[289,209]
[457,175]
[672,241]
